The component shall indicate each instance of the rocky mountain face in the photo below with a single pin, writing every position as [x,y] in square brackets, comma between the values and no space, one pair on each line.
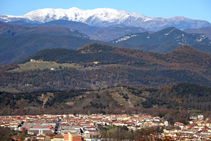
[168,34]
[105,17]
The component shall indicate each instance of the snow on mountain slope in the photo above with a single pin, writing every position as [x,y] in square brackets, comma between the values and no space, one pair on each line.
[165,35]
[104,17]
[124,38]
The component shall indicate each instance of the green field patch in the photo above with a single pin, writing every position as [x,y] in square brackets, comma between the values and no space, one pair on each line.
[41,65]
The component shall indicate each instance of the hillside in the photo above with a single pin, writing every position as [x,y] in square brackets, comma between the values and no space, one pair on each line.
[106,98]
[8,30]
[16,48]
[160,48]
[114,32]
[120,99]
[96,65]
[96,33]
[179,95]
[165,35]
[206,31]
[186,57]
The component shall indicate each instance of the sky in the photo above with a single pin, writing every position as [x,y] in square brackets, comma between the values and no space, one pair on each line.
[193,9]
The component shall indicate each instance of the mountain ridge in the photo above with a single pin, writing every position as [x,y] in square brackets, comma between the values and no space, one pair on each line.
[96,65]
[7,30]
[96,33]
[104,17]
[26,45]
[205,30]
[164,35]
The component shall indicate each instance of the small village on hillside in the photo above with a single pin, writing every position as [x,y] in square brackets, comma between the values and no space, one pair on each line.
[80,127]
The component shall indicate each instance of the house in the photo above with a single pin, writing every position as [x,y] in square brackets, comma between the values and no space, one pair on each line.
[32,60]
[201,117]
[87,134]
[178,124]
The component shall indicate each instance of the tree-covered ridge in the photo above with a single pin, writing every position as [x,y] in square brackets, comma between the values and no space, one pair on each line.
[36,98]
[97,65]
[98,52]
[89,53]
[183,57]
[183,96]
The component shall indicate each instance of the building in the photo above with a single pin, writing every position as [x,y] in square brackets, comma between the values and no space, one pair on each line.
[72,137]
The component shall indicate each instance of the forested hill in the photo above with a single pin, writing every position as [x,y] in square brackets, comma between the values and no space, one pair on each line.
[183,96]
[183,57]
[96,65]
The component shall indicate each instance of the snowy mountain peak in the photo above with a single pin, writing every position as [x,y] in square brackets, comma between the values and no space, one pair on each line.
[74,8]
[104,17]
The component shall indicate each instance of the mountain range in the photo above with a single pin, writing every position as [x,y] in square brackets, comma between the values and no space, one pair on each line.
[105,17]
[96,33]
[103,59]
[19,42]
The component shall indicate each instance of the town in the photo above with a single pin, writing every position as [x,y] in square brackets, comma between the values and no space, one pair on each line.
[80,127]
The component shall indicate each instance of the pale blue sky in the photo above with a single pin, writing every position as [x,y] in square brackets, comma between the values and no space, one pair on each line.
[193,9]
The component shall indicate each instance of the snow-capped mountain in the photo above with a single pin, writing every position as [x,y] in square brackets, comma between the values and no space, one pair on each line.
[104,17]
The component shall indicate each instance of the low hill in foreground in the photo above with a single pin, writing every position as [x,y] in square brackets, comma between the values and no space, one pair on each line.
[183,96]
[96,65]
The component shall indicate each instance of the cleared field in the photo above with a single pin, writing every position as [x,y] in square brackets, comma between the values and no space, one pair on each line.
[44,65]
[41,65]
